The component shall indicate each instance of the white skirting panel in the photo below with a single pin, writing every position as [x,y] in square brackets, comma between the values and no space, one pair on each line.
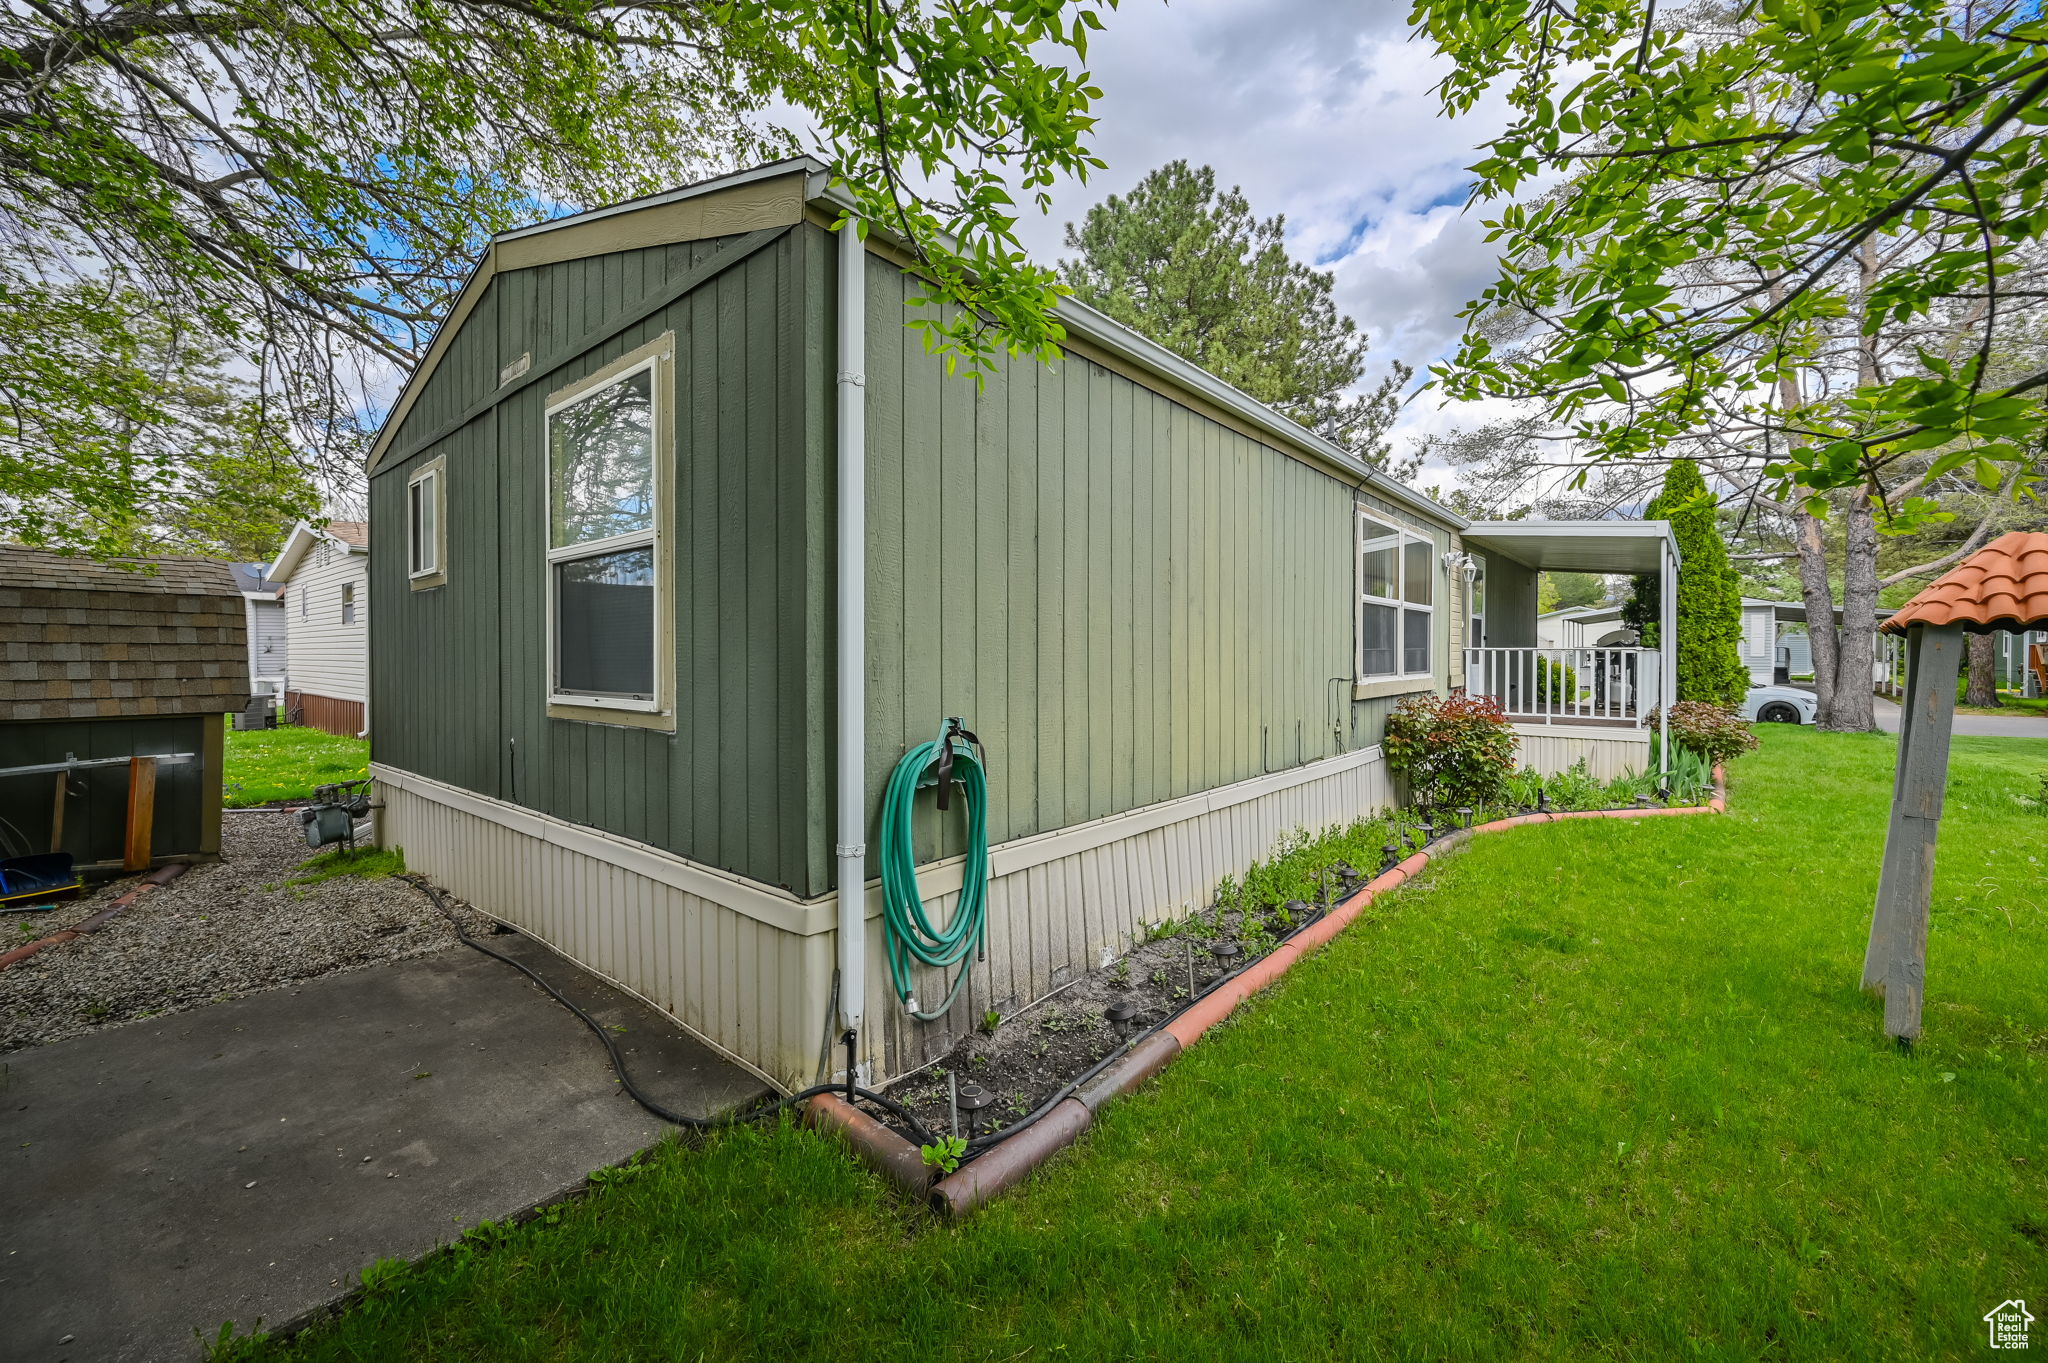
[749,968]
[1607,753]
[1054,917]
[756,991]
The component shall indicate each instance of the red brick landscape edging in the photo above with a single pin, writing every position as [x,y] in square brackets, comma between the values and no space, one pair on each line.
[155,880]
[1009,1163]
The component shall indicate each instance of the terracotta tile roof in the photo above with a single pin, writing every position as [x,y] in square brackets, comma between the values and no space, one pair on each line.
[2004,585]
[355,532]
[87,640]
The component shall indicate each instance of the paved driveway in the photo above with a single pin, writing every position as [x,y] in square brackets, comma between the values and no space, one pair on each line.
[1976,726]
[245,1160]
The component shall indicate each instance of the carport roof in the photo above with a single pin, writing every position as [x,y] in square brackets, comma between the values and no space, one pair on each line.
[1575,546]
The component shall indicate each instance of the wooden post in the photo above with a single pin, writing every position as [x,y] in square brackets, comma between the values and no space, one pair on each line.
[141,812]
[1895,963]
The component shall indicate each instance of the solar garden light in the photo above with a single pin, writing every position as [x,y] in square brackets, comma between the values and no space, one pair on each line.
[1465,813]
[1542,799]
[972,1099]
[1389,856]
[1225,953]
[1664,794]
[1295,910]
[1121,1015]
[1642,802]
[1428,829]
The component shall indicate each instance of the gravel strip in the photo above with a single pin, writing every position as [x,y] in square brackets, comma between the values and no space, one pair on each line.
[216,932]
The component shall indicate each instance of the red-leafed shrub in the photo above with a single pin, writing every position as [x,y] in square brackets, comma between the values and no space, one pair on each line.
[1454,750]
[1715,732]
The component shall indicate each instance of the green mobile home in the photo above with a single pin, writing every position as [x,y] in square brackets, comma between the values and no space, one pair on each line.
[681,541]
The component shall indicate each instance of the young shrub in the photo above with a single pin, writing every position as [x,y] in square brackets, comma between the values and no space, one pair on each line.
[1556,681]
[1453,750]
[1715,732]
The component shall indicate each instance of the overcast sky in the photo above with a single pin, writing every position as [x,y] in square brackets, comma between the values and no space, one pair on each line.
[1321,110]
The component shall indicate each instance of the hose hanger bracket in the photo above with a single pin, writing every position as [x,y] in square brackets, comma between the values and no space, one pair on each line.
[911,936]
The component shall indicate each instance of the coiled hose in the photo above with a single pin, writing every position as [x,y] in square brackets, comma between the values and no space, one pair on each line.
[911,937]
[682,1119]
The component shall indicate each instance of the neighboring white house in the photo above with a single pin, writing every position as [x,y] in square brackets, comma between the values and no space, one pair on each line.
[326,578]
[1583,627]
[263,613]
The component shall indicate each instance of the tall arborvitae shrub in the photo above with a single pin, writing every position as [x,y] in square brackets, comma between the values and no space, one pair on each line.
[1709,593]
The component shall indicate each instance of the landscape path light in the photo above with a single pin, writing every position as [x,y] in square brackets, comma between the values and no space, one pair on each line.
[973,1098]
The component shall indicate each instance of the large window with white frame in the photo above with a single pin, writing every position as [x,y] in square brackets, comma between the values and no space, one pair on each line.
[426,536]
[605,557]
[1397,574]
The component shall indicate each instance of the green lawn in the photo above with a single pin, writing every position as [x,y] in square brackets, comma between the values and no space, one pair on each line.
[286,763]
[2011,703]
[1588,1090]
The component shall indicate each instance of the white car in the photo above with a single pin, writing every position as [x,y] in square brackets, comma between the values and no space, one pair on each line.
[1781,705]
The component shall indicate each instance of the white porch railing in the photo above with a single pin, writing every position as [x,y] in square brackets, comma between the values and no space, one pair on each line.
[1567,685]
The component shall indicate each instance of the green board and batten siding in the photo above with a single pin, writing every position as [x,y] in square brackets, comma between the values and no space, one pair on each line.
[741,783]
[1128,600]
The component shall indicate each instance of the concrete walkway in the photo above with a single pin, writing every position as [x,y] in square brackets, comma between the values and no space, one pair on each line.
[1975,726]
[246,1160]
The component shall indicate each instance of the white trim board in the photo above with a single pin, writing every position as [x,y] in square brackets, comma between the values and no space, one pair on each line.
[1617,735]
[808,917]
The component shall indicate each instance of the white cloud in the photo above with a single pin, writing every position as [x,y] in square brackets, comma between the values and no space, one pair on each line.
[1320,111]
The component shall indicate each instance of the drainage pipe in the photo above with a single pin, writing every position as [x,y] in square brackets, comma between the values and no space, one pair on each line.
[850,847]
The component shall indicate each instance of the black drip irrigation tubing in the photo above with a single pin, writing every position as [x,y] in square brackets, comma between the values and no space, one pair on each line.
[682,1119]
[977,1145]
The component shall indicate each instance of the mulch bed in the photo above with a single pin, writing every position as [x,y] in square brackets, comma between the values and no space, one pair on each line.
[219,931]
[1030,1057]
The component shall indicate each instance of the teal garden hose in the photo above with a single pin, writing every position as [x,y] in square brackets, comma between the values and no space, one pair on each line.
[912,938]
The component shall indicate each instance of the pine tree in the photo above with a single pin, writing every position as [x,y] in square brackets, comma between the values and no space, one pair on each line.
[1709,593]
[1197,271]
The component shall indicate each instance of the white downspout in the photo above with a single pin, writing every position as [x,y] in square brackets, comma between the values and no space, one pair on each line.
[850,847]
[1667,635]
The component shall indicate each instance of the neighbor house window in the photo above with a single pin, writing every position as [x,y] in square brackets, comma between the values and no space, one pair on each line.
[348,603]
[305,604]
[425,519]
[1396,600]
[604,581]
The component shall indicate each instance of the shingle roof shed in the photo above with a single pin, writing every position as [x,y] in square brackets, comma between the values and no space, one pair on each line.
[81,639]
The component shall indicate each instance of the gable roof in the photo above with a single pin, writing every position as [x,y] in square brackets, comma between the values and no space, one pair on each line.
[2004,585]
[352,536]
[654,218]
